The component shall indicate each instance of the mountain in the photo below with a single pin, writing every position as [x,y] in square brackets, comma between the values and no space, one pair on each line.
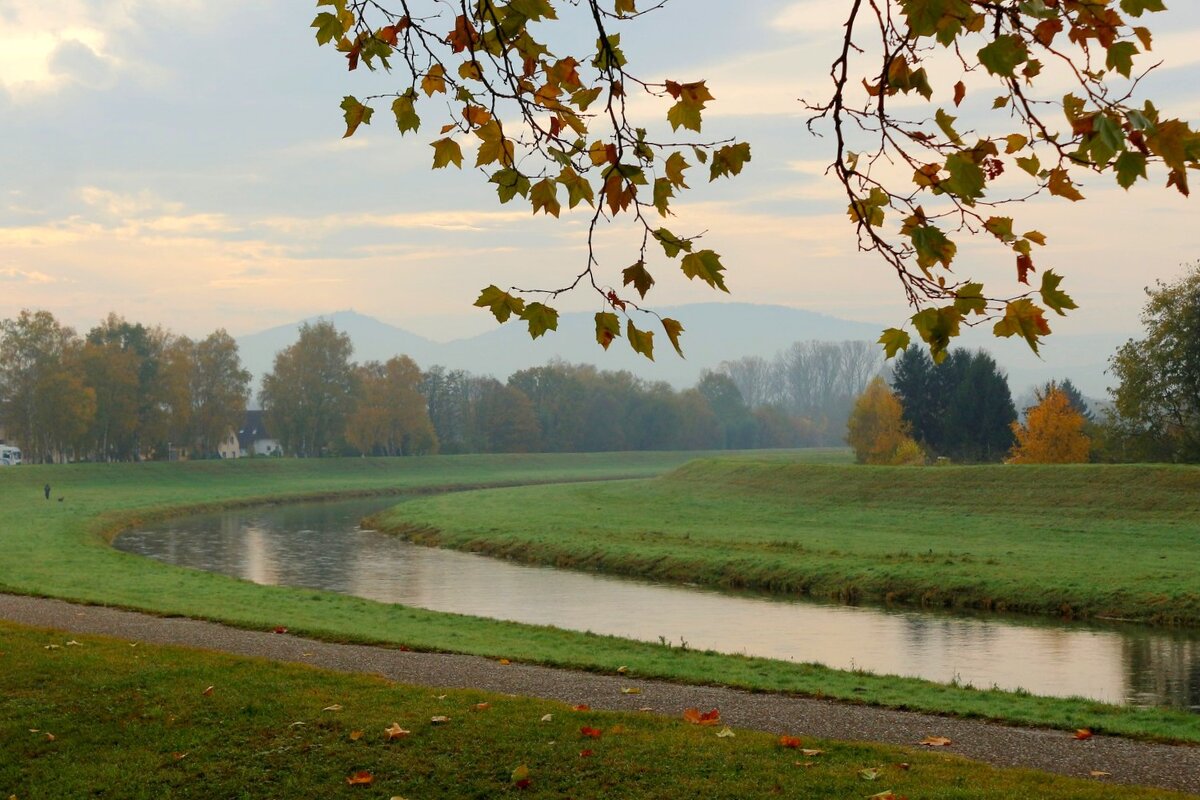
[715,332]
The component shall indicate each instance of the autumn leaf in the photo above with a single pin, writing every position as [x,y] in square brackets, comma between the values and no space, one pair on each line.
[1083,734]
[504,662]
[362,778]
[608,328]
[1055,299]
[792,742]
[621,670]
[869,774]
[446,151]
[335,707]
[935,741]
[438,720]
[812,753]
[394,731]
[641,341]
[726,733]
[355,114]
[279,629]
[581,707]
[590,733]
[586,753]
[355,735]
[521,777]
[547,717]
[694,716]
[673,329]
[481,707]
[208,691]
[631,690]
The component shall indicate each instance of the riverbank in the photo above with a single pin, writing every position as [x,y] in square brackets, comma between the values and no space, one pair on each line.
[1069,541]
[194,723]
[60,550]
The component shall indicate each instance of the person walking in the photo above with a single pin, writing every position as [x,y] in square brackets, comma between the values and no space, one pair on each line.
[46,491]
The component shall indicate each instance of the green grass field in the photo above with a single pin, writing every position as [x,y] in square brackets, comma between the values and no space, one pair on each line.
[1081,541]
[267,730]
[61,550]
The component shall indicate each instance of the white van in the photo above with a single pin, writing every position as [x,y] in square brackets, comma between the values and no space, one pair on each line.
[9,456]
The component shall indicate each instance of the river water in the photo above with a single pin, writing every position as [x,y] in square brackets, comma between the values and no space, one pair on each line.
[322,546]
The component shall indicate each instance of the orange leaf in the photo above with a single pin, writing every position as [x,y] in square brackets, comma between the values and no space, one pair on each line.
[362,778]
[960,91]
[504,662]
[581,707]
[355,735]
[694,716]
[395,732]
[1082,734]
[591,733]
[790,741]
[280,629]
[482,706]
[208,692]
[936,741]
[586,753]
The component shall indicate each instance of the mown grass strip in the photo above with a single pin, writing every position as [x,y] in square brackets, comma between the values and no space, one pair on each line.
[91,716]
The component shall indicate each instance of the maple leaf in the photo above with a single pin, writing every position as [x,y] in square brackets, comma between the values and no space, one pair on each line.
[394,731]
[935,741]
[792,742]
[1082,734]
[608,327]
[361,778]
[521,777]
[590,733]
[694,716]
[355,113]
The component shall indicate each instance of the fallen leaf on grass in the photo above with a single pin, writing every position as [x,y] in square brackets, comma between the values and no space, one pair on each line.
[888,795]
[591,733]
[790,741]
[805,764]
[726,733]
[50,737]
[1083,734]
[208,692]
[74,643]
[395,732]
[440,697]
[581,707]
[694,716]
[355,735]
[1099,773]
[179,756]
[904,765]
[617,730]
[481,706]
[621,670]
[52,647]
[870,774]
[631,690]
[362,778]
[334,707]
[297,724]
[547,717]
[586,753]
[520,777]
[811,753]
[280,629]
[439,720]
[936,741]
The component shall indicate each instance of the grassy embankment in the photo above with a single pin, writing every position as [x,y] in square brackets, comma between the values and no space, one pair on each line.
[272,730]
[1079,541]
[61,550]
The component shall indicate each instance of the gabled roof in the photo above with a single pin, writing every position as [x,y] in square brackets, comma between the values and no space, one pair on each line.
[254,429]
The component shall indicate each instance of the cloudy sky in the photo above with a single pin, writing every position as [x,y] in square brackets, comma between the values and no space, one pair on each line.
[180,162]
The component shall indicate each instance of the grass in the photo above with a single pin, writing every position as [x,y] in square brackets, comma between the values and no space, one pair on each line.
[61,550]
[270,730]
[1074,541]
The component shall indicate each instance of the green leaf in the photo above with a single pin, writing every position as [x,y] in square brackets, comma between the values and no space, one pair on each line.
[1130,167]
[671,244]
[946,123]
[509,184]
[673,329]
[894,340]
[544,196]
[541,318]
[1003,54]
[355,113]
[641,341]
[502,304]
[1120,57]
[705,265]
[329,27]
[937,326]
[966,179]
[729,160]
[1054,299]
[639,277]
[446,151]
[932,247]
[1135,8]
[969,299]
[404,109]
[608,327]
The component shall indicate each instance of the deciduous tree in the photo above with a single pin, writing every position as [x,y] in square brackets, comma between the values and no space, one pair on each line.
[390,416]
[552,124]
[1052,433]
[877,430]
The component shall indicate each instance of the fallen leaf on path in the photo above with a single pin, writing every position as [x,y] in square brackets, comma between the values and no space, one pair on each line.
[694,716]
[355,735]
[208,692]
[1083,734]
[631,690]
[591,733]
[439,720]
[547,717]
[645,709]
[504,662]
[334,707]
[621,670]
[362,778]
[790,741]
[395,732]
[520,777]
[1099,773]
[280,629]
[870,774]
[936,741]
[726,733]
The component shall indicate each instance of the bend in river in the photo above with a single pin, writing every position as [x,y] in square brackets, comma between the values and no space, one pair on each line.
[322,546]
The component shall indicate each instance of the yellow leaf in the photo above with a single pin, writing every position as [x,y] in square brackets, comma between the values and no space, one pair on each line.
[434,80]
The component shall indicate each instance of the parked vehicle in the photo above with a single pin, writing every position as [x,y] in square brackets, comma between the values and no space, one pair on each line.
[9,456]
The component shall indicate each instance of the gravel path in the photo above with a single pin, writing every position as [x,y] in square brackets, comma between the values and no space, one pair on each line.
[1165,766]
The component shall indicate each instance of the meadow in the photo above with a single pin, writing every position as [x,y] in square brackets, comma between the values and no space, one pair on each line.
[189,724]
[61,549]
[1070,541]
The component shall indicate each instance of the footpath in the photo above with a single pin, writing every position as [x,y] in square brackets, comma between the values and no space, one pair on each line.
[1125,761]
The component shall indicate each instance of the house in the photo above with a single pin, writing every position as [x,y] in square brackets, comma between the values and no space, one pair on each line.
[253,438]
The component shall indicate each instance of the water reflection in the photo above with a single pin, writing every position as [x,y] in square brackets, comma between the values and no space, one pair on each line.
[321,546]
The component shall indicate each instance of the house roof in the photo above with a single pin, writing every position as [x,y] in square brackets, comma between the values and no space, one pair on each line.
[254,429]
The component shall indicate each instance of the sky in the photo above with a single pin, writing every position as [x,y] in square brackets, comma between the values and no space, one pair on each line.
[180,162]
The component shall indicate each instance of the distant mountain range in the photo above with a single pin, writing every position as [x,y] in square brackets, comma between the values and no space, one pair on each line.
[715,332]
